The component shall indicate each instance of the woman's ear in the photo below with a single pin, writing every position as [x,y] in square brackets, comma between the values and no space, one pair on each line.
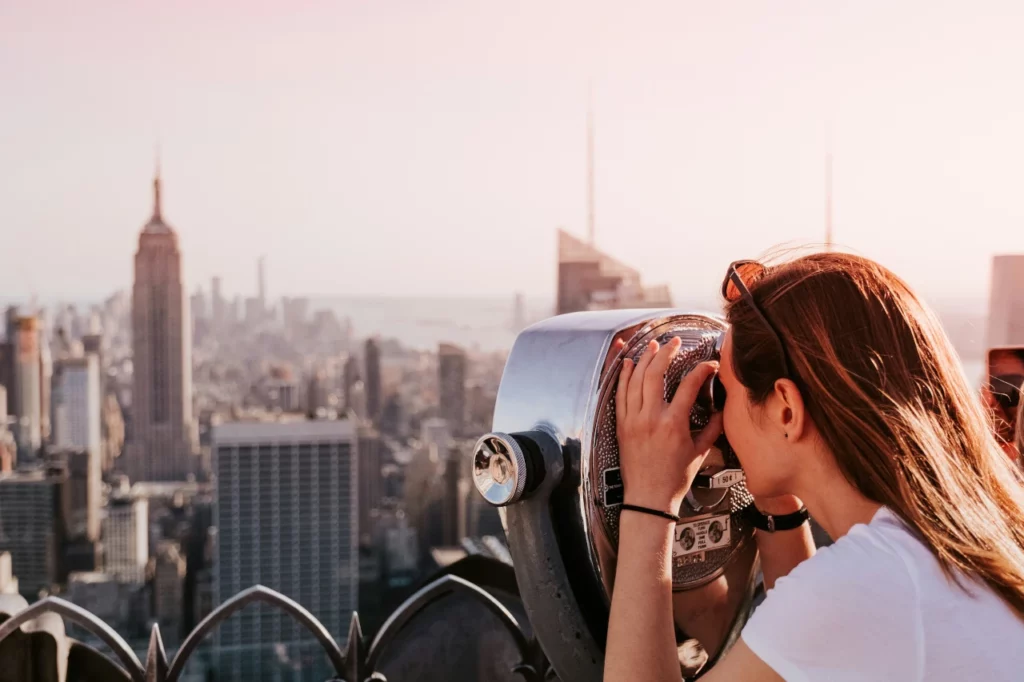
[788,410]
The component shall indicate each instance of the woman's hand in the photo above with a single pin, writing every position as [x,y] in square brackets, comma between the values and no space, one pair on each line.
[658,454]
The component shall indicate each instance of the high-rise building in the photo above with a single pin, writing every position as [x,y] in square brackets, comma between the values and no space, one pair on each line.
[518,313]
[197,305]
[45,383]
[93,344]
[374,399]
[113,431]
[28,399]
[317,393]
[7,364]
[286,512]
[357,403]
[453,501]
[217,304]
[254,312]
[351,376]
[84,490]
[8,581]
[371,480]
[591,280]
[32,527]
[435,432]
[294,314]
[126,538]
[452,364]
[162,442]
[261,282]
[77,403]
[169,587]
[1006,305]
[8,448]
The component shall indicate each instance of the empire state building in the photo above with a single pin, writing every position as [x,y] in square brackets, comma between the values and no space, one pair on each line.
[161,447]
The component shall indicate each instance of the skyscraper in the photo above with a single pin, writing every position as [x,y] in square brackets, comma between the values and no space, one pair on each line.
[453,501]
[518,313]
[351,376]
[45,382]
[452,380]
[1006,305]
[217,304]
[374,399]
[169,587]
[8,373]
[126,538]
[85,490]
[93,344]
[32,526]
[8,447]
[286,510]
[77,402]
[197,305]
[371,480]
[591,280]
[161,446]
[261,283]
[28,400]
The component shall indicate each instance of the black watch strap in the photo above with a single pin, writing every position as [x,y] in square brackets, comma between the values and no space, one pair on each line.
[771,523]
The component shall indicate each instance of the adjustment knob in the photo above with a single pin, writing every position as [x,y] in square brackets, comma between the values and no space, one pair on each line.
[500,471]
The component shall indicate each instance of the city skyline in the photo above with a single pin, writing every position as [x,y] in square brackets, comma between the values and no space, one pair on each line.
[707,122]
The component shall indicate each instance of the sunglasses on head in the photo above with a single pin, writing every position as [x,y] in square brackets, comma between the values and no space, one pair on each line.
[738,278]
[1005,388]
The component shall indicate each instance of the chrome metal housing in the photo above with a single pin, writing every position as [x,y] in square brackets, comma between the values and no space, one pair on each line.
[560,380]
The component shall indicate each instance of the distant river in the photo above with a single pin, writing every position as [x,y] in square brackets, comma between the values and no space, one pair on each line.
[485,324]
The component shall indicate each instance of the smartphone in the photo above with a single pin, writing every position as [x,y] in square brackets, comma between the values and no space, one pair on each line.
[1002,389]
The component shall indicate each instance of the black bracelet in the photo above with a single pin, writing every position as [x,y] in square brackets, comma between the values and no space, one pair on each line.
[652,512]
[771,523]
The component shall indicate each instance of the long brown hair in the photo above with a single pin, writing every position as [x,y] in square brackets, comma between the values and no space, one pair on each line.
[1018,431]
[886,391]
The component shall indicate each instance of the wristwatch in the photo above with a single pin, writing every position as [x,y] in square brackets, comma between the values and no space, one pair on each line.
[771,522]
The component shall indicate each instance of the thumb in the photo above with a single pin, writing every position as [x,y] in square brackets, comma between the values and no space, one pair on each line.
[709,434]
[688,389]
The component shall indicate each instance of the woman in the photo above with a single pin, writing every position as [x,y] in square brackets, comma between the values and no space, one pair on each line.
[844,395]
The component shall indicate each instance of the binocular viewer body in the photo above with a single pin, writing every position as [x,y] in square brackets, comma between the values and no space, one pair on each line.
[551,466]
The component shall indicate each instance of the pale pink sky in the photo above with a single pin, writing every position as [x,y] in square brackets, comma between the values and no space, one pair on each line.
[423,147]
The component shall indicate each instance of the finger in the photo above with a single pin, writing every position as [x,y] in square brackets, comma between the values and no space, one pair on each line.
[621,405]
[709,434]
[686,394]
[654,382]
[635,399]
[613,354]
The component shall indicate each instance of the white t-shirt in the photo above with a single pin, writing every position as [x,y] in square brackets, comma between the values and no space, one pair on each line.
[876,606]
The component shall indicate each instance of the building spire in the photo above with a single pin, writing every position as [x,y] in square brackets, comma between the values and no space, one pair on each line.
[156,187]
[590,165]
[828,184]
[828,200]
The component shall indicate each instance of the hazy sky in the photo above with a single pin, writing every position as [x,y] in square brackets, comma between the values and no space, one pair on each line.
[432,147]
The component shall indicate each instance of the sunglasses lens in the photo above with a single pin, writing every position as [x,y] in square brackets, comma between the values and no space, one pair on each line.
[747,271]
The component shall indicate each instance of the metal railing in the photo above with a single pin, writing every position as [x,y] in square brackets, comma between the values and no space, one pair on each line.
[357,662]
